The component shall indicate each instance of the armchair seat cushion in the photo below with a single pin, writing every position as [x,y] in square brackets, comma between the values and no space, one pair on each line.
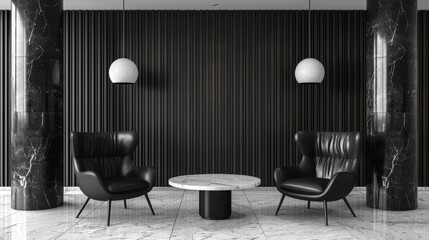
[125,185]
[311,186]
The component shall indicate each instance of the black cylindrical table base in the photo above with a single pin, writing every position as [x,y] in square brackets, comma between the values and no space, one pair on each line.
[215,205]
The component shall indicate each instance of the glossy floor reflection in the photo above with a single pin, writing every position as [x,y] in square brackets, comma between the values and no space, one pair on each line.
[177,218]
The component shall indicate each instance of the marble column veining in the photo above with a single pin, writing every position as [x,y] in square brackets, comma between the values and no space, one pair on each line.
[391,60]
[36,151]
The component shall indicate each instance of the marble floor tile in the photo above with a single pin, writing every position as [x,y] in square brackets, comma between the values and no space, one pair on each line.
[241,225]
[135,222]
[421,214]
[177,217]
[294,220]
[43,224]
[5,209]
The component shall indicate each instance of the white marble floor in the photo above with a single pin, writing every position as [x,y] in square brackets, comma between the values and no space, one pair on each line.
[177,218]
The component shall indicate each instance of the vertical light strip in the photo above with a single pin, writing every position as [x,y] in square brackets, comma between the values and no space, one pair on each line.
[380,74]
[4,96]
[423,98]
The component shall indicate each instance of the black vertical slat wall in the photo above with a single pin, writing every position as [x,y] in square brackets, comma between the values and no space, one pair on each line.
[4,96]
[423,98]
[216,92]
[91,44]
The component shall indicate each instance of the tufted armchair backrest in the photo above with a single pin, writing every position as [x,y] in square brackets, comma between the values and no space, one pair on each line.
[109,154]
[327,153]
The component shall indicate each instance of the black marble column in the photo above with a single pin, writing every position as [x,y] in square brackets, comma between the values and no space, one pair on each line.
[391,104]
[36,151]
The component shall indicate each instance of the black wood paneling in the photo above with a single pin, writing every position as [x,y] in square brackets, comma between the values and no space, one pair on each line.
[423,98]
[216,92]
[4,96]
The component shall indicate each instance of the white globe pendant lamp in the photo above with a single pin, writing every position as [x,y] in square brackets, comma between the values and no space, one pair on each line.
[123,70]
[309,70]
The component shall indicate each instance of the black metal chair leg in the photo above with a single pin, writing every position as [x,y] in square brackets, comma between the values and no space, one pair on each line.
[84,205]
[108,213]
[125,203]
[350,207]
[308,205]
[280,203]
[150,205]
[325,206]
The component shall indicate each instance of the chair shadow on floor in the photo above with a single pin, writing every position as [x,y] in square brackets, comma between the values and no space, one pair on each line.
[300,212]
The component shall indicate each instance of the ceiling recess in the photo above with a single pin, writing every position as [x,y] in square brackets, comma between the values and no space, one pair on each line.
[214,5]
[207,4]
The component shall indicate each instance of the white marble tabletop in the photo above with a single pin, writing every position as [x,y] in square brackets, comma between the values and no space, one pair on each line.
[214,182]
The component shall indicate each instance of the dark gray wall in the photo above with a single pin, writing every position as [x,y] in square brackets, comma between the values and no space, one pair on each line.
[217,92]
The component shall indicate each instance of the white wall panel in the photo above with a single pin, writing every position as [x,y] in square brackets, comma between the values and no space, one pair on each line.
[93,4]
[207,4]
[219,4]
[338,4]
[216,4]
[423,4]
[5,4]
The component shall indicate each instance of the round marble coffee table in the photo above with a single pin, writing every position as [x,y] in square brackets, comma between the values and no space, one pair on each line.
[215,191]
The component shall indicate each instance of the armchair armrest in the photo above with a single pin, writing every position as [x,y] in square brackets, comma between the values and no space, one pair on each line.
[92,185]
[144,173]
[283,173]
[339,186]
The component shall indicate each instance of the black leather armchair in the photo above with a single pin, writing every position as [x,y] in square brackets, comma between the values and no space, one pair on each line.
[104,170]
[327,169]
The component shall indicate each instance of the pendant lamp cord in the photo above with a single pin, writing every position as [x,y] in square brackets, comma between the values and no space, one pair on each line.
[123,28]
[309,28]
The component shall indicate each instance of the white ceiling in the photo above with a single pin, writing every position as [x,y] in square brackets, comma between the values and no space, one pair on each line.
[207,4]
